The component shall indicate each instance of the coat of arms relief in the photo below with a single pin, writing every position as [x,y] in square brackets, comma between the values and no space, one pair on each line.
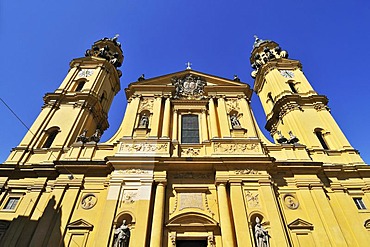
[191,87]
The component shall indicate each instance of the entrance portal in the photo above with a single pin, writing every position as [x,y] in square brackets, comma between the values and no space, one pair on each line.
[191,243]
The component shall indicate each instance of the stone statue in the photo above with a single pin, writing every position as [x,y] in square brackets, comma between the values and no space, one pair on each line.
[236,78]
[281,138]
[122,235]
[292,138]
[235,124]
[96,136]
[141,78]
[261,235]
[83,138]
[144,121]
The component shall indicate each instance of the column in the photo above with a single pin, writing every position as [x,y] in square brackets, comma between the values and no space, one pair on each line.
[213,117]
[243,237]
[158,216]
[154,122]
[204,125]
[175,125]
[166,118]
[225,217]
[223,118]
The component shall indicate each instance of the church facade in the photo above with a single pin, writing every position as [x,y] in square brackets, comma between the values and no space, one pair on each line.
[188,166]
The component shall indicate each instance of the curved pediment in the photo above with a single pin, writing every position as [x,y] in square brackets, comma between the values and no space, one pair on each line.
[192,219]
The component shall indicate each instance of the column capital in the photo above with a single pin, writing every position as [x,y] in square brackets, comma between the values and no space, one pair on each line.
[221,183]
[161,183]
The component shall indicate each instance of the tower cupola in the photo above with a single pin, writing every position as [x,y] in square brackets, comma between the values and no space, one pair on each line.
[109,49]
[263,52]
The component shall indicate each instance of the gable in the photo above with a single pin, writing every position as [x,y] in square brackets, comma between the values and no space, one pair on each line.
[80,224]
[300,224]
[165,84]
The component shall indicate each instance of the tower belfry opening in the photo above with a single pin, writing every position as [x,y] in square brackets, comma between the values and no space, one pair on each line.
[188,166]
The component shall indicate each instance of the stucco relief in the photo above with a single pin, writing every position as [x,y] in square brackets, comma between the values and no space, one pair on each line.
[142,147]
[252,199]
[211,241]
[84,73]
[129,197]
[320,107]
[232,105]
[285,109]
[132,171]
[190,87]
[246,171]
[190,152]
[146,104]
[207,205]
[88,201]
[236,147]
[291,202]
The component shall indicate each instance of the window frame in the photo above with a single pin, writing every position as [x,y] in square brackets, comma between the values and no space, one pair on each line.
[51,133]
[359,202]
[320,136]
[10,196]
[182,127]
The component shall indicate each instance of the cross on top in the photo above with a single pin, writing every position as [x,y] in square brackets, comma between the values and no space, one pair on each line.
[188,65]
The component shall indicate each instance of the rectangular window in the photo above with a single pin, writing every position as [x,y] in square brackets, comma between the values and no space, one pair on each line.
[189,129]
[11,203]
[359,203]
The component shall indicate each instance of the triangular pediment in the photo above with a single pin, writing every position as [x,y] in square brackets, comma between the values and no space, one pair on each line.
[300,224]
[168,85]
[80,224]
[211,79]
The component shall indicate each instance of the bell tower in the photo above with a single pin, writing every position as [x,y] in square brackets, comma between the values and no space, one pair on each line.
[295,112]
[77,108]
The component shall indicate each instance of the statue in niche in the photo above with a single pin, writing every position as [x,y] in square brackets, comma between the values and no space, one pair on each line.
[122,235]
[261,235]
[235,124]
[144,121]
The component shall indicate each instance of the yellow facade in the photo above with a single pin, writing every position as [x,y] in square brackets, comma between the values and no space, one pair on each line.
[189,166]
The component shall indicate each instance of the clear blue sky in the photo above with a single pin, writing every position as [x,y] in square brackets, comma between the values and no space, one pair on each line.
[330,38]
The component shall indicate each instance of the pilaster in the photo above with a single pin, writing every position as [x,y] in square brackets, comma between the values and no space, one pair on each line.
[156,237]
[225,217]
[239,214]
[223,119]
[166,118]
[154,123]
[213,117]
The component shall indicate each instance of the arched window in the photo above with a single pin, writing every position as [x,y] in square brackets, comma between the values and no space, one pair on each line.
[80,85]
[292,87]
[189,129]
[320,137]
[51,134]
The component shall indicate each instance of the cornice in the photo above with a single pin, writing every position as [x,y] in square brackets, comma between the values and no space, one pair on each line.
[288,103]
[280,64]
